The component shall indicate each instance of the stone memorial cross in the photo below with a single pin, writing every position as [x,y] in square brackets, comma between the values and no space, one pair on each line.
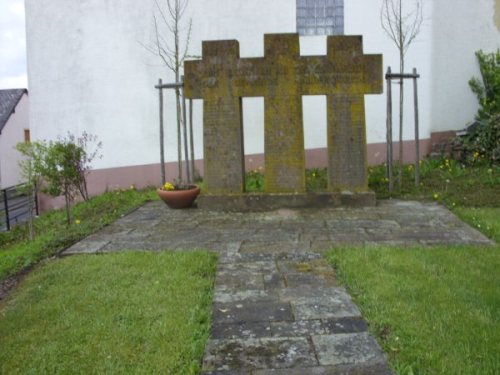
[282,76]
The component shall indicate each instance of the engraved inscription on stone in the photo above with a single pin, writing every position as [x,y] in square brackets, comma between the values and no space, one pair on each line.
[282,76]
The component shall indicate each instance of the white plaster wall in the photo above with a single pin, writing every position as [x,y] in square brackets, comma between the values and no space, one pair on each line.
[460,28]
[12,133]
[363,17]
[87,72]
[88,69]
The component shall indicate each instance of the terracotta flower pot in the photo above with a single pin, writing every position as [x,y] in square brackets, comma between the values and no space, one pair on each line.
[179,198]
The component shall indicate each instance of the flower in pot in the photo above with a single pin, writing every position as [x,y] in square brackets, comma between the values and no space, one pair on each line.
[178,194]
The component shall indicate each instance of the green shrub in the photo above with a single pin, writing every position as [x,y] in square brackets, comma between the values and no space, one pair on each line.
[487,88]
[316,179]
[483,140]
[254,181]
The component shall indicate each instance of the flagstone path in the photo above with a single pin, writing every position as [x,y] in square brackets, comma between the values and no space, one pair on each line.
[277,306]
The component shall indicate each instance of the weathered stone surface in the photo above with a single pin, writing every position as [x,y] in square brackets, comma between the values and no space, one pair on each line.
[297,328]
[375,369]
[345,325]
[314,272]
[265,202]
[274,281]
[85,247]
[227,295]
[228,372]
[347,348]
[239,280]
[242,330]
[282,76]
[274,247]
[317,308]
[258,354]
[245,311]
[312,291]
[345,226]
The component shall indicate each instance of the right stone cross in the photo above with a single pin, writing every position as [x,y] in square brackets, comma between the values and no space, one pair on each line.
[282,76]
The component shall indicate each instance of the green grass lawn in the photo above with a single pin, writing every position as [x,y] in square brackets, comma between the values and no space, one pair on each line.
[53,235]
[434,310]
[444,180]
[131,312]
[484,219]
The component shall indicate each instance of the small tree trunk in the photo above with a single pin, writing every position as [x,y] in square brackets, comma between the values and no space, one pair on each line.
[31,200]
[401,94]
[179,140]
[82,188]
[401,101]
[68,205]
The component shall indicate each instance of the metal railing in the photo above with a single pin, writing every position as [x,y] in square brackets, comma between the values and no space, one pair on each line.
[14,206]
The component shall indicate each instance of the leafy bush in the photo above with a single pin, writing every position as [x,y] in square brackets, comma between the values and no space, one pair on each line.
[254,181]
[488,88]
[483,139]
[60,166]
[316,179]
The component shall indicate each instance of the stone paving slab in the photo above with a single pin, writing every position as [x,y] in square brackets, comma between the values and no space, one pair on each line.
[251,311]
[394,223]
[277,306]
[301,320]
[347,348]
[264,353]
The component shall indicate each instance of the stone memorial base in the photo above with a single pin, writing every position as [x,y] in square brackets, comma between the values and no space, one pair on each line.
[269,202]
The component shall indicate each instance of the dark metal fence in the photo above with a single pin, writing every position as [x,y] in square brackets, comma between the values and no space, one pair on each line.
[14,208]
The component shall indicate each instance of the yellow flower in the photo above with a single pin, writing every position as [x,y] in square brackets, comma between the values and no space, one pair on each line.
[77,222]
[168,186]
[436,195]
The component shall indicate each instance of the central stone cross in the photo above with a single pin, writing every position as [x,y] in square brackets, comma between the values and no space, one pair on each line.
[282,76]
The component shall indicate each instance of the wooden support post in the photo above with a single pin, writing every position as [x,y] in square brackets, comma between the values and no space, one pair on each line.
[389,130]
[417,140]
[184,128]
[162,147]
[191,140]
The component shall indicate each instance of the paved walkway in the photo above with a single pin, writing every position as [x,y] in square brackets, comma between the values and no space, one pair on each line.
[277,306]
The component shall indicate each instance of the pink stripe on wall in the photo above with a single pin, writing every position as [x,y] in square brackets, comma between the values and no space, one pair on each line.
[141,176]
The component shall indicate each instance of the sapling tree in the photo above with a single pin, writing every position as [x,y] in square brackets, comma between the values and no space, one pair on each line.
[91,150]
[61,174]
[67,163]
[171,44]
[402,25]
[32,167]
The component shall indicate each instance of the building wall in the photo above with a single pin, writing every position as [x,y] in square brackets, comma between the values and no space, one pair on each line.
[458,32]
[12,133]
[89,70]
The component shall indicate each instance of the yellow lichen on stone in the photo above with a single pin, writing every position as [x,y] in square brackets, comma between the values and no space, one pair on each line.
[282,77]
